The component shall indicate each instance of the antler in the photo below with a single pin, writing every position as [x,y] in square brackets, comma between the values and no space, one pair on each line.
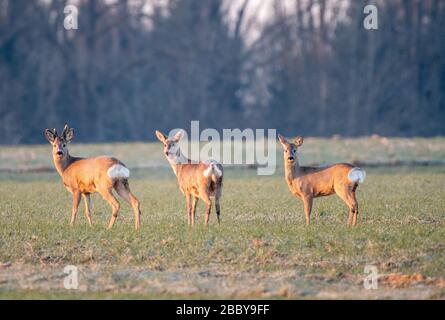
[65,129]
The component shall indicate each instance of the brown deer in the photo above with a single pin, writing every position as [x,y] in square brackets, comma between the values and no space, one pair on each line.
[308,183]
[196,180]
[85,176]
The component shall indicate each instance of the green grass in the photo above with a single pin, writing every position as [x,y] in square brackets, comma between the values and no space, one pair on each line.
[261,249]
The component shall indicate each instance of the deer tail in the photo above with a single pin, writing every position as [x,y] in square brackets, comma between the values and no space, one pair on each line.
[214,170]
[357,175]
[118,171]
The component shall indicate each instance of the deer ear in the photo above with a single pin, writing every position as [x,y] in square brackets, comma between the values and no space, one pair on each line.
[179,135]
[49,135]
[282,140]
[68,133]
[162,137]
[298,141]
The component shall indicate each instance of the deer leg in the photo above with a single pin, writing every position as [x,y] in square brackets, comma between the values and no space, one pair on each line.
[208,210]
[307,203]
[217,206]
[354,206]
[353,210]
[190,221]
[136,209]
[348,196]
[123,189]
[107,194]
[350,217]
[193,210]
[208,203]
[87,200]
[76,201]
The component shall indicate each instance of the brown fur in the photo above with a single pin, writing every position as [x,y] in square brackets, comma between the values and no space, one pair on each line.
[192,182]
[308,183]
[83,176]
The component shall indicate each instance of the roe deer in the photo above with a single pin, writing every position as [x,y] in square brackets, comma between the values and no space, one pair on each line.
[309,182]
[85,176]
[196,180]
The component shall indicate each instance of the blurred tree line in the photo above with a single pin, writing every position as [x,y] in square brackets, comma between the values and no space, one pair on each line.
[313,69]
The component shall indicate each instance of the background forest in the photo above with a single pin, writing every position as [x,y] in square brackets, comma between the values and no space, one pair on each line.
[309,67]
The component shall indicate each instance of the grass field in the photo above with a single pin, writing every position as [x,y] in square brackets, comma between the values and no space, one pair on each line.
[262,249]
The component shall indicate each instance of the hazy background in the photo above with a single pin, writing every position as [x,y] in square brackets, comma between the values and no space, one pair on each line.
[300,66]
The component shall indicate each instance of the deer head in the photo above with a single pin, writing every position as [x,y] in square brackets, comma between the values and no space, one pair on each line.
[290,148]
[60,142]
[171,145]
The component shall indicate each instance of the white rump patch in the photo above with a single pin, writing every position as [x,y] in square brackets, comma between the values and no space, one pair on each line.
[357,175]
[218,172]
[118,171]
[208,172]
[212,169]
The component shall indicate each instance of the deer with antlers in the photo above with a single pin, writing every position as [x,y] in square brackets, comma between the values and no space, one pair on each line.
[83,176]
[308,183]
[196,180]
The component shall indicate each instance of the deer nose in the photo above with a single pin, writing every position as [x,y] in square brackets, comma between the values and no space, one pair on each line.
[59,153]
[166,153]
[290,158]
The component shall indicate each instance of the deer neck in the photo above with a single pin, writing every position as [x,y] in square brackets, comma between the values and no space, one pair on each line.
[291,170]
[62,164]
[177,160]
